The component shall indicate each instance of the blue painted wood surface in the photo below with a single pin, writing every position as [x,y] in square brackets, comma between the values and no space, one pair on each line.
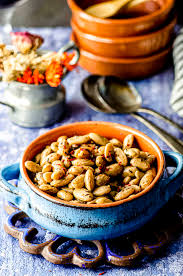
[155,92]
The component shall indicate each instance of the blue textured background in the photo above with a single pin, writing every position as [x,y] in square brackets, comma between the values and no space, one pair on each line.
[155,92]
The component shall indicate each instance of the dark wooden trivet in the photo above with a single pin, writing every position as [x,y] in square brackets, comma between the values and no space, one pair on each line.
[123,251]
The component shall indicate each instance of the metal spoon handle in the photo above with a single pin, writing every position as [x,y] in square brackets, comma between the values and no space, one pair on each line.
[174,143]
[160,116]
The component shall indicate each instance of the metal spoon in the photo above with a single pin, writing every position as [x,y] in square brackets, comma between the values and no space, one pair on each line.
[92,96]
[124,98]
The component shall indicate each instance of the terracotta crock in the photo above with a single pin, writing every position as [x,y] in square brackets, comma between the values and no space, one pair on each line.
[118,27]
[125,68]
[125,47]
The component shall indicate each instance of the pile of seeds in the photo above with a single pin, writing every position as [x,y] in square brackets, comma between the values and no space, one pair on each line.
[92,169]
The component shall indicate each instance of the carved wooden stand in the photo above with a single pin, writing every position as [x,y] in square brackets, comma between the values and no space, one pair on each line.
[148,240]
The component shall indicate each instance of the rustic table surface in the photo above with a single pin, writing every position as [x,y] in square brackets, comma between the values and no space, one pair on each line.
[155,92]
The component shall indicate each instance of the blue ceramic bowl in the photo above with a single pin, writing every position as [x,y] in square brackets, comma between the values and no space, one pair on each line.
[81,221]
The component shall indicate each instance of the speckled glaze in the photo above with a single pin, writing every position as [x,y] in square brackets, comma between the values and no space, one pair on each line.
[95,221]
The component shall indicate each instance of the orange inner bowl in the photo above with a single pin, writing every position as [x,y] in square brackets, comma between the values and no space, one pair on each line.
[106,129]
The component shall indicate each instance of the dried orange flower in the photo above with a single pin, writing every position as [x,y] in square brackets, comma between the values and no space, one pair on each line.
[38,78]
[26,77]
[54,73]
[65,60]
[30,77]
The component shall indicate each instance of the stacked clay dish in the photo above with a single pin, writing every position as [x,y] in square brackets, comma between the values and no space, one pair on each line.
[134,47]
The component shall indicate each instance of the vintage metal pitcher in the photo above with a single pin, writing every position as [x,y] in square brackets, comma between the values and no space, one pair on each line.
[37,105]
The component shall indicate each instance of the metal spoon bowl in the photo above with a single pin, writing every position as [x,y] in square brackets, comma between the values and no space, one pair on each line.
[90,92]
[118,94]
[89,89]
[124,98]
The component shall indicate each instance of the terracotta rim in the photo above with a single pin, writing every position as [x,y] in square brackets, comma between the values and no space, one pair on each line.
[112,40]
[95,206]
[169,4]
[126,60]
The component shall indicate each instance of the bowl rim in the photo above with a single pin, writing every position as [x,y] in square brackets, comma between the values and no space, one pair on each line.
[168,5]
[130,39]
[46,196]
